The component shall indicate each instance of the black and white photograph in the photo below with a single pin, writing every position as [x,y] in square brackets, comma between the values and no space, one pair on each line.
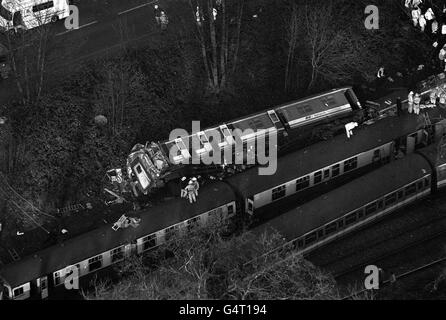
[222,155]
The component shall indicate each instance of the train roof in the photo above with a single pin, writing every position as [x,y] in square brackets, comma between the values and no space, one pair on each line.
[314,104]
[326,153]
[262,120]
[103,239]
[348,197]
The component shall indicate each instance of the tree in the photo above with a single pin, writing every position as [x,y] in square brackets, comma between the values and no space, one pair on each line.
[28,54]
[323,45]
[328,45]
[218,38]
[206,264]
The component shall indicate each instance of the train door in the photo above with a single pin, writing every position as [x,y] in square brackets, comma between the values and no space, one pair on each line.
[410,143]
[250,205]
[42,287]
[326,174]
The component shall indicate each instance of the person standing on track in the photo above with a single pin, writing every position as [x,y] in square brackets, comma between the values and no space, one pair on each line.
[164,20]
[191,192]
[157,12]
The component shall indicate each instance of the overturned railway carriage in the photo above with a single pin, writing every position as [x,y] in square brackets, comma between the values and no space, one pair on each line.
[38,274]
[355,204]
[237,141]
[313,169]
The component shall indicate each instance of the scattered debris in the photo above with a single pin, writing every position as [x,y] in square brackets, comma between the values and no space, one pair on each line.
[125,222]
[118,199]
[349,128]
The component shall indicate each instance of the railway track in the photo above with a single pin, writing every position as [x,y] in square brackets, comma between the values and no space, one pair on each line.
[392,253]
[403,275]
[383,241]
[390,243]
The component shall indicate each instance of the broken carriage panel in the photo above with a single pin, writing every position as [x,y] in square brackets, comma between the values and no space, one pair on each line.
[144,169]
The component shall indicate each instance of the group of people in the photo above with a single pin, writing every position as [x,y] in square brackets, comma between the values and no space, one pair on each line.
[432,18]
[437,97]
[190,191]
[424,16]
[199,13]
[161,17]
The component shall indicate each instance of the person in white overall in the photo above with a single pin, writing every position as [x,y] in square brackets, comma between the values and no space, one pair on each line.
[410,102]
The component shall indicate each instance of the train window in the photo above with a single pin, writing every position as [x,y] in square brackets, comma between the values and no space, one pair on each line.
[117,254]
[350,164]
[250,206]
[390,199]
[279,192]
[230,209]
[370,208]
[349,219]
[320,233]
[329,101]
[420,185]
[400,194]
[170,232]
[300,243]
[411,189]
[335,170]
[326,174]
[149,242]
[288,247]
[56,277]
[376,155]
[294,244]
[302,183]
[273,116]
[95,263]
[380,203]
[310,238]
[318,177]
[193,223]
[360,213]
[43,6]
[18,291]
[330,228]
[340,223]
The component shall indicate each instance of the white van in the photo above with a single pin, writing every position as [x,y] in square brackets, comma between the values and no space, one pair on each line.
[28,14]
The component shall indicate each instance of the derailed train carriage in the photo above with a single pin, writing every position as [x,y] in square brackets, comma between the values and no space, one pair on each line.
[36,275]
[294,124]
